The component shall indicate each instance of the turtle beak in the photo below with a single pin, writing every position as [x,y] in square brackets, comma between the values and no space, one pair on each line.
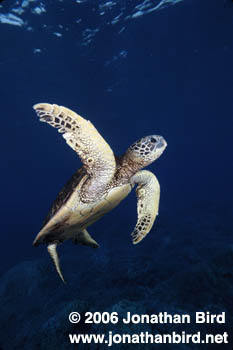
[162,143]
[53,253]
[159,141]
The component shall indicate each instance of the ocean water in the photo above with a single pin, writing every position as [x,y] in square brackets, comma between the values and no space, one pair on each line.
[133,68]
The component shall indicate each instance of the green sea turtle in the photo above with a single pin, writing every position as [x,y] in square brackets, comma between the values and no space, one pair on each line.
[100,184]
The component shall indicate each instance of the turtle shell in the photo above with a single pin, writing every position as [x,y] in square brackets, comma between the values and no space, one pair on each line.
[68,215]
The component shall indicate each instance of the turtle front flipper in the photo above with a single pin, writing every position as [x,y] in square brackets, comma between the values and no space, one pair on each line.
[85,140]
[148,193]
[84,238]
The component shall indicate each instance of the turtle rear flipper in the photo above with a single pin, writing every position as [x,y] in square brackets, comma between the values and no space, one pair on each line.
[84,238]
[53,253]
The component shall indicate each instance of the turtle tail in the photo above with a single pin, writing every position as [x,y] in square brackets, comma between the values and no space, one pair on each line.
[53,253]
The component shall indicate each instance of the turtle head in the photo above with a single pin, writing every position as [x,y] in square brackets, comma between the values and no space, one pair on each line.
[146,150]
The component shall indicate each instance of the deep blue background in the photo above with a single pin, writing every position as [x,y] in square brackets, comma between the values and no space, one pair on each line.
[177,81]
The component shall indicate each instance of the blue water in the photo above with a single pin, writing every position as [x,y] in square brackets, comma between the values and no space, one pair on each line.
[133,71]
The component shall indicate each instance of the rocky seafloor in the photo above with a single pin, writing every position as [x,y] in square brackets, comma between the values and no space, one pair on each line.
[35,304]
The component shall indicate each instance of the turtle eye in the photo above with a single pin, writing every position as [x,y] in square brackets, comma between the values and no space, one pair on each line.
[153,140]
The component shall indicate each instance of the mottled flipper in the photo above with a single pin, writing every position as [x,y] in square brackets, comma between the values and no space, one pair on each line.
[148,193]
[85,140]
